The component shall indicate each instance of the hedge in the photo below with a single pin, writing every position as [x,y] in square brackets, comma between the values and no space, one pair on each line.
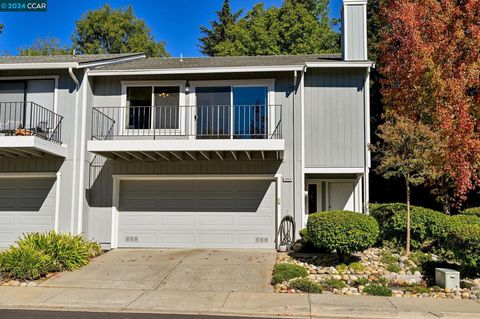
[475,211]
[427,225]
[342,231]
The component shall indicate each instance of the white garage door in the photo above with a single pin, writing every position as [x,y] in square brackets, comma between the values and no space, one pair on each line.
[197,213]
[26,205]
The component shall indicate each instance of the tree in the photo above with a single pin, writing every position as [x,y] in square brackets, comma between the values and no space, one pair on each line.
[410,150]
[108,30]
[218,29]
[297,27]
[431,73]
[46,46]
[1,28]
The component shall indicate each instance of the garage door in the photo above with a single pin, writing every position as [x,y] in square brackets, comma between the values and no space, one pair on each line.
[26,205]
[197,213]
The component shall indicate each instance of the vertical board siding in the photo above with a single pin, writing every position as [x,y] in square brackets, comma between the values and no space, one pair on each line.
[107,92]
[334,118]
[355,32]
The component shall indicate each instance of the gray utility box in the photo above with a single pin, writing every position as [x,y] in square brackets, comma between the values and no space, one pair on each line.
[447,278]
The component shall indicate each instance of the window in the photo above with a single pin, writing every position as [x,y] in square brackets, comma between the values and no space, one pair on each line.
[237,111]
[153,107]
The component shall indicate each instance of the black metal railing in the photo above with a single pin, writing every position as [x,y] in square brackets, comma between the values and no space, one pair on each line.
[201,122]
[29,118]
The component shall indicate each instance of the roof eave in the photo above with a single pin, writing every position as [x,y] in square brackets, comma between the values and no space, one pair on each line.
[93,64]
[36,66]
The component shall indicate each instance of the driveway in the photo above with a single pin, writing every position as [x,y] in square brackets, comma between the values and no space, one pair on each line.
[231,270]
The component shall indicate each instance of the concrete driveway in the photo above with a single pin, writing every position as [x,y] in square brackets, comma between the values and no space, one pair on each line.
[201,270]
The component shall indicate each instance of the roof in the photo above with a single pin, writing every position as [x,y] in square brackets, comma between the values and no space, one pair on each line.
[227,64]
[64,61]
[223,61]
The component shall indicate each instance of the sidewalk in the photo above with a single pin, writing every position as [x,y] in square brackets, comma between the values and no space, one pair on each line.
[234,303]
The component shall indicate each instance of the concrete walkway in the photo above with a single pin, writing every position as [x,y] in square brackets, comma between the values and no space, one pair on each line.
[201,270]
[233,303]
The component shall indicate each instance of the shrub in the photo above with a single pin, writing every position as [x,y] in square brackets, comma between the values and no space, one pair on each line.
[334,283]
[285,271]
[25,263]
[393,267]
[474,211]
[357,267]
[463,241]
[378,290]
[342,231]
[67,251]
[306,285]
[342,268]
[427,225]
[304,235]
[417,289]
[362,281]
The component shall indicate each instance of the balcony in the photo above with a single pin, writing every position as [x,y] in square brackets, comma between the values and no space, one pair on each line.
[168,133]
[29,130]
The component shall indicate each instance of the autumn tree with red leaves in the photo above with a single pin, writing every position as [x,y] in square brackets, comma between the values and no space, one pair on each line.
[430,65]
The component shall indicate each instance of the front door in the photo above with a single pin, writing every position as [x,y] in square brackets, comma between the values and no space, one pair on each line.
[341,196]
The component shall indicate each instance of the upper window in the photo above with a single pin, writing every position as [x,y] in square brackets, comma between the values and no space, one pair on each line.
[153,107]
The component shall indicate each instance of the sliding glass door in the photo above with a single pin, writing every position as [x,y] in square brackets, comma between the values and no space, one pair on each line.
[239,112]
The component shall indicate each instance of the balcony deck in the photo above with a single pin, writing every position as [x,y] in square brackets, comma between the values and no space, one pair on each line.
[187,133]
[28,130]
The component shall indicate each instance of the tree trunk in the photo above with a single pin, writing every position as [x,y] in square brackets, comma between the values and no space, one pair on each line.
[408,217]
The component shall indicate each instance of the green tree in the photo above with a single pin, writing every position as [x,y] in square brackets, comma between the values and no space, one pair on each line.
[1,28]
[409,150]
[108,30]
[217,33]
[46,46]
[297,27]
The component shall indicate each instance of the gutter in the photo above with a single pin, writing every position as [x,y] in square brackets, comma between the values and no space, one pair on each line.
[75,139]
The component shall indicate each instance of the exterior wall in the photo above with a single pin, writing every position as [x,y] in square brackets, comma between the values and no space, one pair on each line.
[64,167]
[353,33]
[107,91]
[334,118]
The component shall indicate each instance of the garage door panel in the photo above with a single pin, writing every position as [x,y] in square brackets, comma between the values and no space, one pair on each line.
[178,220]
[26,205]
[206,213]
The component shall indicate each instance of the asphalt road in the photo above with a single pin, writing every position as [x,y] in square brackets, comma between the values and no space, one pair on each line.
[40,314]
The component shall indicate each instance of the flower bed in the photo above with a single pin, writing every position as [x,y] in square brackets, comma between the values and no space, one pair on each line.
[375,271]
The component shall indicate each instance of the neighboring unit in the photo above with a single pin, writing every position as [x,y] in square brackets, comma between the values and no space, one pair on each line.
[183,152]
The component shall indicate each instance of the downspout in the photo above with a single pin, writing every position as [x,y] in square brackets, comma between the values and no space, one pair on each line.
[75,135]
[83,138]
[366,182]
[302,142]
[294,91]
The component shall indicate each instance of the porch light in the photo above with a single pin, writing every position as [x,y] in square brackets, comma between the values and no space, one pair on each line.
[187,87]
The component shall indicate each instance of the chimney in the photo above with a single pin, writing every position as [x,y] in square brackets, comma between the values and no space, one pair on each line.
[354,30]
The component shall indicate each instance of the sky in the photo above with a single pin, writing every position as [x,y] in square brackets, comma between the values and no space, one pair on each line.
[176,22]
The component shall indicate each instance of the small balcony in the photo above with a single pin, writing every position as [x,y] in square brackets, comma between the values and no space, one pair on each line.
[29,130]
[220,132]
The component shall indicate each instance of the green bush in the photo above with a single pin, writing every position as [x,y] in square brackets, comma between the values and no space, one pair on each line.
[342,268]
[362,281]
[393,267]
[427,225]
[285,271]
[463,241]
[25,263]
[378,290]
[334,283]
[306,285]
[304,235]
[474,211]
[342,231]
[37,254]
[67,251]
[357,267]
[417,289]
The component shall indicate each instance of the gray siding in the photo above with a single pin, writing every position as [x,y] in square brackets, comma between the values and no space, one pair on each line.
[354,43]
[334,118]
[107,91]
[66,108]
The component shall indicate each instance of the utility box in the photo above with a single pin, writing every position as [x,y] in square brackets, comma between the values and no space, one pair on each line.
[447,278]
